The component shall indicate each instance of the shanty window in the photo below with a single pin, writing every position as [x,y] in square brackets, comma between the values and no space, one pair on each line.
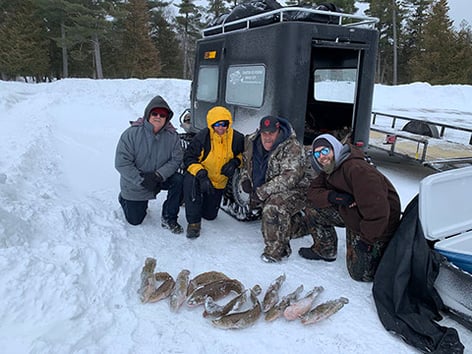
[245,85]
[335,85]
[207,84]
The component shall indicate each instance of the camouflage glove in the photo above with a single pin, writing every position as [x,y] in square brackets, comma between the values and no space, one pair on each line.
[205,184]
[229,167]
[344,199]
[151,181]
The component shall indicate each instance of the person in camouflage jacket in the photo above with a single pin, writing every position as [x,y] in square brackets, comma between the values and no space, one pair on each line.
[274,176]
[349,192]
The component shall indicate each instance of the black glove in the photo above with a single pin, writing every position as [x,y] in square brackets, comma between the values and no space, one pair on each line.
[246,185]
[364,246]
[152,181]
[205,184]
[229,167]
[344,199]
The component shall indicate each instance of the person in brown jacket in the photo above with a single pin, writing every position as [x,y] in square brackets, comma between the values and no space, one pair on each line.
[349,192]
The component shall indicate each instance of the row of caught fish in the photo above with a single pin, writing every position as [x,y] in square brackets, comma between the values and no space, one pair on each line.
[242,310]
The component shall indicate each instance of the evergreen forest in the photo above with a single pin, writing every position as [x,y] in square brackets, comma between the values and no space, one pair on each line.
[45,40]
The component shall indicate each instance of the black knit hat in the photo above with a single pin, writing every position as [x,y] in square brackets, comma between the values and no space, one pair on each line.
[321,142]
[269,124]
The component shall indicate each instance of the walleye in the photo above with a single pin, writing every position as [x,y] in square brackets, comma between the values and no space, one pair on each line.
[243,319]
[146,273]
[271,296]
[179,294]
[324,310]
[217,290]
[302,306]
[154,293]
[212,309]
[276,311]
[204,278]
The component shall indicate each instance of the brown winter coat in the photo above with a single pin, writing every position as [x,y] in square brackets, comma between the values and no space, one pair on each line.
[377,213]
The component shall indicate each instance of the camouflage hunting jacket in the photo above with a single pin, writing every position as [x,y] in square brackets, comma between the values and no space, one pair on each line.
[285,169]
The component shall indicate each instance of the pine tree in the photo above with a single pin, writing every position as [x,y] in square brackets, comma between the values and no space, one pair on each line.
[411,35]
[165,39]
[56,14]
[390,16]
[23,48]
[438,46]
[112,41]
[216,8]
[462,61]
[91,28]
[346,6]
[140,58]
[189,26]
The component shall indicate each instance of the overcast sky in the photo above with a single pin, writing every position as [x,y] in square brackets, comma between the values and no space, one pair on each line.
[460,10]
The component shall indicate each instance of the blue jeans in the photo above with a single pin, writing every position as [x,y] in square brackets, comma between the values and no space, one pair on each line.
[136,210]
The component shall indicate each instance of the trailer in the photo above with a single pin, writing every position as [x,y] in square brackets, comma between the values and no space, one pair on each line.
[313,67]
[422,140]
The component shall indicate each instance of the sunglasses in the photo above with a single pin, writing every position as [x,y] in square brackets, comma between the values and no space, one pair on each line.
[155,114]
[324,151]
[223,123]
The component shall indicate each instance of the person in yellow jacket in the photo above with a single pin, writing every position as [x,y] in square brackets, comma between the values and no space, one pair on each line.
[210,161]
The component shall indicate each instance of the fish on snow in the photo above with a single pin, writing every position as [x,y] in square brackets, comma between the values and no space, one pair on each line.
[203,279]
[243,319]
[156,293]
[303,305]
[217,290]
[277,311]
[179,294]
[146,273]
[213,309]
[271,296]
[324,310]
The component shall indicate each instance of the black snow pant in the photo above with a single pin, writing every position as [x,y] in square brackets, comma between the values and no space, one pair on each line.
[136,210]
[198,205]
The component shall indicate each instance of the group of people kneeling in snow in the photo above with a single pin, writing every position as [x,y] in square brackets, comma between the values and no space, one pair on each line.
[345,190]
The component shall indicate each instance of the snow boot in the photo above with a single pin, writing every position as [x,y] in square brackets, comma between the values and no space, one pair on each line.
[172,225]
[193,230]
[266,257]
[308,253]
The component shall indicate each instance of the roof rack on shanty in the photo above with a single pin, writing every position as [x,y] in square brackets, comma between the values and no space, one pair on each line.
[287,14]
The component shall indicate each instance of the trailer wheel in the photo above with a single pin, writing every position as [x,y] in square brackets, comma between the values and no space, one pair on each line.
[235,201]
[422,128]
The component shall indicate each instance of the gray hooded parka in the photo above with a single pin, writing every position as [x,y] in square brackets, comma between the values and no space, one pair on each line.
[140,150]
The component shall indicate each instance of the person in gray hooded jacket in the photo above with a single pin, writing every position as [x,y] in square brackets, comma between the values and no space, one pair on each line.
[148,156]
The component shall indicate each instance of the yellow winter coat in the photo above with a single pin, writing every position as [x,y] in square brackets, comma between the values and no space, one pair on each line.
[211,151]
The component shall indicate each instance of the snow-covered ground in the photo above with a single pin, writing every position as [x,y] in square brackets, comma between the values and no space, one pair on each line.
[70,265]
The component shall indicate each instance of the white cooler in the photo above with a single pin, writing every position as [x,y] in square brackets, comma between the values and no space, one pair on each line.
[445,212]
